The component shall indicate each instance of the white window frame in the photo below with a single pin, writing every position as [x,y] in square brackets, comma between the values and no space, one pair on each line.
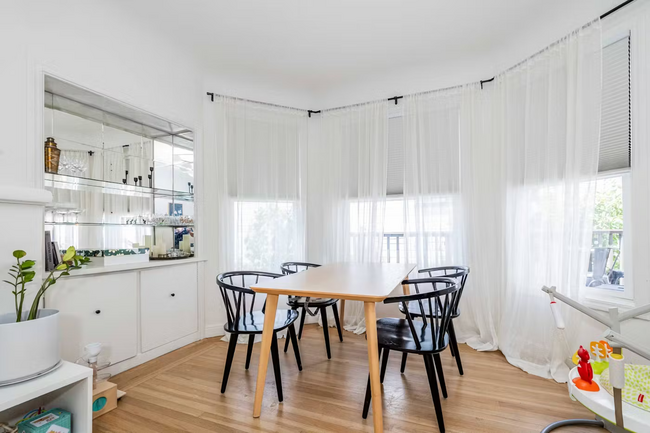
[603,297]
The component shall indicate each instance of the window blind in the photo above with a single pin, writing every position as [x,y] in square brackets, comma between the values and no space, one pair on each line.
[395,183]
[615,136]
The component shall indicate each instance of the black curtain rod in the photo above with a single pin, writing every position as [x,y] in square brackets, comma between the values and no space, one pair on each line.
[395,98]
[606,14]
[611,11]
[212,95]
[486,81]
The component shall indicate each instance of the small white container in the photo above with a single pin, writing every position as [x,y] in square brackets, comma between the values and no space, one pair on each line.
[30,348]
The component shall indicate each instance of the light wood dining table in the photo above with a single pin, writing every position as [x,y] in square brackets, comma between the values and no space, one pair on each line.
[366,282]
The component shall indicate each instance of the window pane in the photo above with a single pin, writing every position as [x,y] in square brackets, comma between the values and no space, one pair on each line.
[606,267]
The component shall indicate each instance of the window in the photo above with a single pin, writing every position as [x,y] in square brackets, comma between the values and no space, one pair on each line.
[267,234]
[609,263]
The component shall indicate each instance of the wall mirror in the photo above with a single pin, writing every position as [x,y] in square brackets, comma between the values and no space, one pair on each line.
[121,179]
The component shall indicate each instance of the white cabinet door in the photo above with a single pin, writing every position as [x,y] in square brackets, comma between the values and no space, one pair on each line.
[101,308]
[168,304]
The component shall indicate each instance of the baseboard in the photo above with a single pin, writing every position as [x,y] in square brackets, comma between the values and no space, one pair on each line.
[214,331]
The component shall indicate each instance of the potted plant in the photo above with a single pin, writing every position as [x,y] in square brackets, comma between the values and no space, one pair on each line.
[30,338]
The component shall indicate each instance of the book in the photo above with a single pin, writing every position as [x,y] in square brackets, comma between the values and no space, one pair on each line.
[57,253]
[49,259]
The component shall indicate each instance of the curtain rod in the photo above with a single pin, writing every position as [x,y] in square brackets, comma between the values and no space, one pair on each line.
[606,14]
[309,112]
[396,98]
[614,9]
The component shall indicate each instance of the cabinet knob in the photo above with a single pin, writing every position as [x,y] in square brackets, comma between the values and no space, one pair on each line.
[173,294]
[98,311]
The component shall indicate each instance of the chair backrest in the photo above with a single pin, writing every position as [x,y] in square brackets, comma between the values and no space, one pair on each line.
[457,273]
[289,268]
[441,298]
[237,296]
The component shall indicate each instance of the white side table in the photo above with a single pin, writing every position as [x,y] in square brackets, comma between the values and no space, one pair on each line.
[69,387]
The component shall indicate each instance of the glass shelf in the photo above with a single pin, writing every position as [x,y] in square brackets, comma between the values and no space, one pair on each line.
[52,223]
[63,181]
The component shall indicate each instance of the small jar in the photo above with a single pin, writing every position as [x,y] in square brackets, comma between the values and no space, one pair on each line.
[52,154]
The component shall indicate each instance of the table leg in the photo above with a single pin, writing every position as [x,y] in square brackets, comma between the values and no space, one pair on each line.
[373,362]
[267,338]
[342,313]
[405,287]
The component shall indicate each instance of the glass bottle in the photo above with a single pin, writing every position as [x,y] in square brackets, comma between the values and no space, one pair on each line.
[52,154]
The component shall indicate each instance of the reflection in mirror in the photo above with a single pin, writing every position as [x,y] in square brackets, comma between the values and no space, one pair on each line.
[125,178]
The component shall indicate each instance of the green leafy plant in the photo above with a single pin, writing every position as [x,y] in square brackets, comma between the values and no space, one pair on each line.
[23,272]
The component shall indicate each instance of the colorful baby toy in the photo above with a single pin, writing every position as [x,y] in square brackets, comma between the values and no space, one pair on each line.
[585,382]
[601,351]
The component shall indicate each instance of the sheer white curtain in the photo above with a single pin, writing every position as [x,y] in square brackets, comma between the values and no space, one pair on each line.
[348,182]
[432,204]
[483,203]
[260,154]
[545,121]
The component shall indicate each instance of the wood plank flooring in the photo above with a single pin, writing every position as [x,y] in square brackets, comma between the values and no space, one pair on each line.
[180,392]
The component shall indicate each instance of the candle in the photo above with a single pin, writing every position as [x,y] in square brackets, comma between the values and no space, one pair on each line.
[187,239]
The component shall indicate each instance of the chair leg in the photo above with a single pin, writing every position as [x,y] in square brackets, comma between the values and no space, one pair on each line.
[326,331]
[294,342]
[451,348]
[384,363]
[366,402]
[286,343]
[454,344]
[403,367]
[229,357]
[276,365]
[336,320]
[441,375]
[249,352]
[433,386]
[302,322]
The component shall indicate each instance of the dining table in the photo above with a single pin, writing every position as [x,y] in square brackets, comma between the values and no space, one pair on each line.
[366,282]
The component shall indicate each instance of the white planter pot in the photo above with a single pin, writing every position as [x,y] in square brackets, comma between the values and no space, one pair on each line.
[28,349]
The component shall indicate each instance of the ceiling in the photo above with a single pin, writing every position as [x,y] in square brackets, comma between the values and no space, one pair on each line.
[315,46]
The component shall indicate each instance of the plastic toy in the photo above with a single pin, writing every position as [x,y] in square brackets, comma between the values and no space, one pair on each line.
[600,350]
[620,384]
[585,382]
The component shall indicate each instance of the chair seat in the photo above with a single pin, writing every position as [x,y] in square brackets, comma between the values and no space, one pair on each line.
[414,309]
[299,301]
[253,323]
[395,334]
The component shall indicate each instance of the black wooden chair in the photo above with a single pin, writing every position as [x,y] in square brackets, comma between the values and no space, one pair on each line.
[457,273]
[305,303]
[242,319]
[420,337]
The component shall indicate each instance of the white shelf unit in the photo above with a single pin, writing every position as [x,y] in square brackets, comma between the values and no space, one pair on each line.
[69,387]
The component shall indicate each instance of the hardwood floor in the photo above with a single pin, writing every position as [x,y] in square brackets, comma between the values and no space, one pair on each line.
[180,392]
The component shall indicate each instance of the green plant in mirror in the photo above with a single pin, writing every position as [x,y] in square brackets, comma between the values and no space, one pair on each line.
[23,272]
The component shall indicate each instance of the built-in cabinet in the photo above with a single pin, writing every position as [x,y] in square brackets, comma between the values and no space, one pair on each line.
[168,305]
[99,308]
[137,315]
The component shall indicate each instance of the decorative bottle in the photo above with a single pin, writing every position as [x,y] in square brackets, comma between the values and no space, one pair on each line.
[52,154]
